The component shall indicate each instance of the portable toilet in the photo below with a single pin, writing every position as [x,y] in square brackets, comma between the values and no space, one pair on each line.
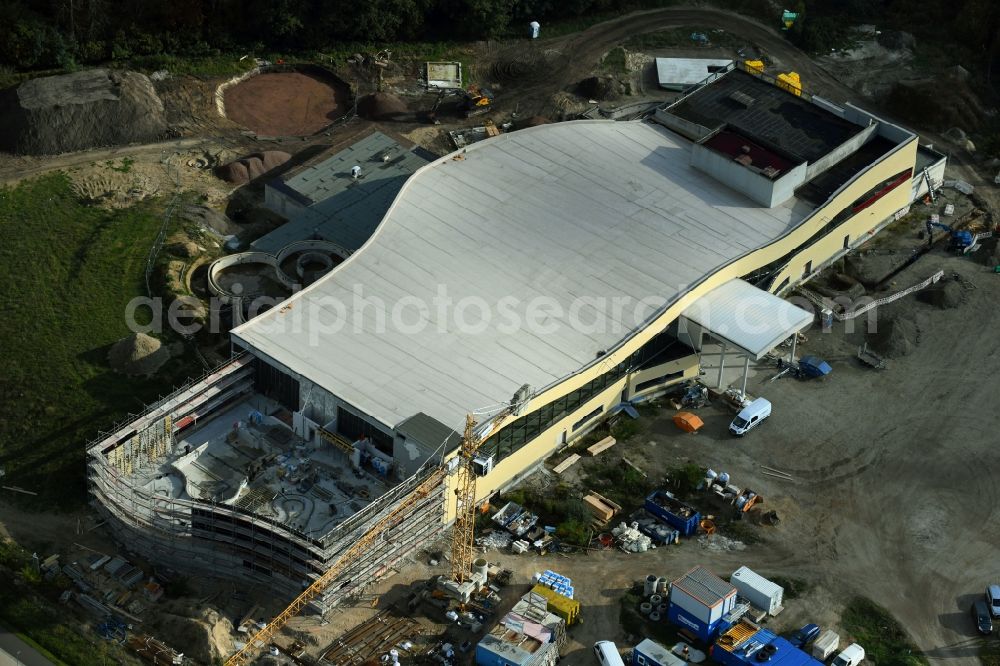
[688,422]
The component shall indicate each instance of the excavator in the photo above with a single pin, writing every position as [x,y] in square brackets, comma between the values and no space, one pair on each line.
[462,544]
[960,238]
[477,101]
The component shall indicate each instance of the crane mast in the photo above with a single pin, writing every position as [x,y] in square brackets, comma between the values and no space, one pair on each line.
[463,534]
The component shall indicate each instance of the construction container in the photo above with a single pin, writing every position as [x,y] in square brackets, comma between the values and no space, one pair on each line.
[558,604]
[699,600]
[759,591]
[672,511]
[825,645]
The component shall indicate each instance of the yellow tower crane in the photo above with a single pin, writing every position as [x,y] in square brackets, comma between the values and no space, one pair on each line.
[463,534]
[461,549]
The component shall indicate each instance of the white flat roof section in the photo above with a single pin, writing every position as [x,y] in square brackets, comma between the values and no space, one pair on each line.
[681,73]
[578,215]
[748,318]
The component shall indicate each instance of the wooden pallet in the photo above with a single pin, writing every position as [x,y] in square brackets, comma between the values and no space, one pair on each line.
[566,464]
[601,446]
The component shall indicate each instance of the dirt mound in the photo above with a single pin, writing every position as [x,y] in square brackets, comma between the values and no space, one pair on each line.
[138,354]
[988,254]
[601,88]
[533,121]
[944,294]
[254,165]
[186,249]
[95,107]
[938,103]
[208,219]
[204,639]
[381,106]
[895,336]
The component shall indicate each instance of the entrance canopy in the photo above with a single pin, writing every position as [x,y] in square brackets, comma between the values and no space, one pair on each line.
[742,316]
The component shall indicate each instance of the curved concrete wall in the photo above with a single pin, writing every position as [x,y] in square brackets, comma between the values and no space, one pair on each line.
[268,259]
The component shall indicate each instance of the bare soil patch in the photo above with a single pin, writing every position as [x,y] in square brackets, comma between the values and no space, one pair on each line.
[296,103]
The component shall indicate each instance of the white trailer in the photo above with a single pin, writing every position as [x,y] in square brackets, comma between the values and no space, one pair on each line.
[825,645]
[759,591]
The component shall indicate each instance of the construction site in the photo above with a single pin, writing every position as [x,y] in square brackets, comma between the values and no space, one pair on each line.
[756,288]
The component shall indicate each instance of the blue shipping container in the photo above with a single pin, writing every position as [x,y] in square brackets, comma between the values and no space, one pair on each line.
[704,631]
[780,652]
[672,511]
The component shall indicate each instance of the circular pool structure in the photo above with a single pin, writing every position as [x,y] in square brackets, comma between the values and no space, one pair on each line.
[287,101]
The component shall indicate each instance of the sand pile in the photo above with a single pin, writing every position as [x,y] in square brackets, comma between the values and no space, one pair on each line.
[138,354]
[895,336]
[382,106]
[945,294]
[254,165]
[95,107]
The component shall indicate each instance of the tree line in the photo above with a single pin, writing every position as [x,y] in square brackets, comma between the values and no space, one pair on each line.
[47,34]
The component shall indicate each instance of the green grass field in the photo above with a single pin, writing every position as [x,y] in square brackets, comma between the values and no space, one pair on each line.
[69,271]
[885,641]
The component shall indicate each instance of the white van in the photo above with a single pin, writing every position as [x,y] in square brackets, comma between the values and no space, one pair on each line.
[750,416]
[607,654]
[852,655]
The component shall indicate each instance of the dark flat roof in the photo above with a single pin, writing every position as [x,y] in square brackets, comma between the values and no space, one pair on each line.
[819,189]
[777,117]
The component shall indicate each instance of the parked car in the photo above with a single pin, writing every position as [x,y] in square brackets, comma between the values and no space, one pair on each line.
[993,599]
[804,636]
[852,655]
[981,617]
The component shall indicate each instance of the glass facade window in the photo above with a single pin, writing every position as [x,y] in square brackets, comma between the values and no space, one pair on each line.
[660,349]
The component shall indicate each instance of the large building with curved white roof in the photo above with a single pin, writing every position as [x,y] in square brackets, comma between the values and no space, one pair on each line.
[539,280]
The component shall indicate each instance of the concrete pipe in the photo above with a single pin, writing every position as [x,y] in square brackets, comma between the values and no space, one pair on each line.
[650,585]
[646,608]
[654,617]
[655,599]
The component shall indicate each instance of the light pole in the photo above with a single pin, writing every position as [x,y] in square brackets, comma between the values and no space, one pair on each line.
[17,657]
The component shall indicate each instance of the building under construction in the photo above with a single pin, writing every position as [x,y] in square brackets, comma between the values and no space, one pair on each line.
[213,480]
[332,411]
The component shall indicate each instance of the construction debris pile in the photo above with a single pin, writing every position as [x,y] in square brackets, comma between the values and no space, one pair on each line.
[630,539]
[85,109]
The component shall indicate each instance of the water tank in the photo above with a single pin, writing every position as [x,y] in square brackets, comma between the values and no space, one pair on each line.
[479,567]
[651,583]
